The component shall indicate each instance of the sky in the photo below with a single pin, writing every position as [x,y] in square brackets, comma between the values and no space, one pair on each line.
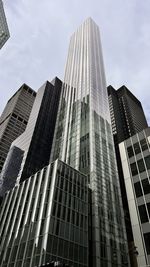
[40,31]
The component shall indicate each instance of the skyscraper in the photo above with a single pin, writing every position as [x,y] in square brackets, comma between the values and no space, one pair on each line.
[135,158]
[127,115]
[30,152]
[4,32]
[14,119]
[83,139]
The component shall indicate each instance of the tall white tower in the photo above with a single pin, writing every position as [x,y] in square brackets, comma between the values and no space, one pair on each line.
[83,139]
[4,32]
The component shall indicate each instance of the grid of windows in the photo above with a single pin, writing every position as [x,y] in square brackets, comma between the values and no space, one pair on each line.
[137,148]
[50,208]
[140,166]
[145,185]
[139,163]
[14,119]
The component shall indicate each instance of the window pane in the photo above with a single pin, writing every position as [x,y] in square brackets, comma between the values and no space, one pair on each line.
[143,214]
[148,207]
[146,186]
[134,169]
[141,165]
[130,151]
[143,144]
[147,242]
[138,189]
[137,148]
[55,243]
[147,161]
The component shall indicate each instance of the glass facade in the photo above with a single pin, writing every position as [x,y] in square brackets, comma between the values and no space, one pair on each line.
[4,32]
[83,139]
[45,218]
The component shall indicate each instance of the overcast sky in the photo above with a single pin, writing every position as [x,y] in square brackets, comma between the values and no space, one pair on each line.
[40,32]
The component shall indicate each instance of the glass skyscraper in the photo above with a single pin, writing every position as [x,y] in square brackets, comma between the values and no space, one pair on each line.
[4,32]
[83,139]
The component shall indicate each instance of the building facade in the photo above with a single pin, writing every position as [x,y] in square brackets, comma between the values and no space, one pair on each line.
[127,115]
[127,119]
[14,119]
[30,152]
[4,31]
[135,158]
[45,218]
[83,139]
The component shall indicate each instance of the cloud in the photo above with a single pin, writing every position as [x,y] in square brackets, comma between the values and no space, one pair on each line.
[40,32]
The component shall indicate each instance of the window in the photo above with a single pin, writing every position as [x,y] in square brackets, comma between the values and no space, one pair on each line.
[143,214]
[141,165]
[103,250]
[130,151]
[148,207]
[146,186]
[147,161]
[143,144]
[147,242]
[134,169]
[14,252]
[138,189]
[54,247]
[137,148]
[57,228]
[63,213]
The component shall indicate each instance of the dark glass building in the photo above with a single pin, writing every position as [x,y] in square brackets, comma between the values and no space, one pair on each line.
[40,146]
[31,151]
[127,115]
[14,119]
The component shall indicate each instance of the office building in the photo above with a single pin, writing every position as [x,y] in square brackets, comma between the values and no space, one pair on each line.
[83,139]
[127,115]
[14,119]
[135,158]
[30,152]
[127,119]
[4,32]
[45,218]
